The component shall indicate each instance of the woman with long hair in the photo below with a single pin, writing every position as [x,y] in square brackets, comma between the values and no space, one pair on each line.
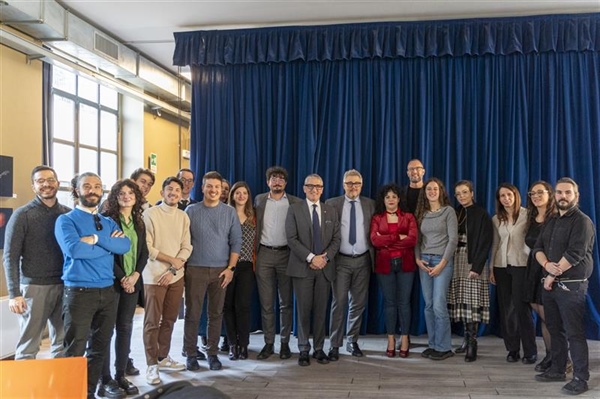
[438,236]
[394,236]
[239,291]
[541,205]
[124,206]
[509,261]
[469,294]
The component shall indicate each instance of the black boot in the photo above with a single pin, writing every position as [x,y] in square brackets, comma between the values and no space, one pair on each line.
[463,347]
[471,354]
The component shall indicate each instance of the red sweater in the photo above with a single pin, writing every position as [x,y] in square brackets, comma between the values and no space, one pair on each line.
[386,242]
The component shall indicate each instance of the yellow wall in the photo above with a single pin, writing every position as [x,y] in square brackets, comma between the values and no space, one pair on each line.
[20,125]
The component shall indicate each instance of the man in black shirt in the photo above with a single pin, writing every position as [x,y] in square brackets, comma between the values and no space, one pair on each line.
[564,248]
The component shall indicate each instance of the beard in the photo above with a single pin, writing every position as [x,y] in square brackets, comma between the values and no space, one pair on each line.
[565,205]
[90,200]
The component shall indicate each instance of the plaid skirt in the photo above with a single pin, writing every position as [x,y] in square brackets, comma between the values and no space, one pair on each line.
[468,299]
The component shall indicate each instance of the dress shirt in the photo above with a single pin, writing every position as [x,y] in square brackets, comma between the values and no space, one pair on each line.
[310,204]
[360,247]
[273,231]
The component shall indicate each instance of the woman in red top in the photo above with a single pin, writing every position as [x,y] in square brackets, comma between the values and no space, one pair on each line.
[394,236]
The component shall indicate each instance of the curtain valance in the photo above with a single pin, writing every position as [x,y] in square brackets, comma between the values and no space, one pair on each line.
[499,36]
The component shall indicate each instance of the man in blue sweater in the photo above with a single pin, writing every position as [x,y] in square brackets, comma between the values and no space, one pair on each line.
[89,241]
[33,266]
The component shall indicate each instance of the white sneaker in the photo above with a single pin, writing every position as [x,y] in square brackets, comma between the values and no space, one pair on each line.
[168,364]
[152,376]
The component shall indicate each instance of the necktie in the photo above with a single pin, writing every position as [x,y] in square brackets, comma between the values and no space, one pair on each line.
[184,203]
[352,233]
[317,244]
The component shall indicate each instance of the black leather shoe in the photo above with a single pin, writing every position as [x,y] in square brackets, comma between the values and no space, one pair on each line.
[265,352]
[130,368]
[320,356]
[233,352]
[225,345]
[575,387]
[549,376]
[191,363]
[214,363]
[529,359]
[352,347]
[304,359]
[111,390]
[545,364]
[285,352]
[199,355]
[127,386]
[243,353]
[334,354]
[513,357]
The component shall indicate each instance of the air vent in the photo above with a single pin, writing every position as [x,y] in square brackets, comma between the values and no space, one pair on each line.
[106,46]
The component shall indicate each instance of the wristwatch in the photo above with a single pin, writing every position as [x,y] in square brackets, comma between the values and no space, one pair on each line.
[232,268]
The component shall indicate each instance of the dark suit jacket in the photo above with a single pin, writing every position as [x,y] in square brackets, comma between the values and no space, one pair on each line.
[368,208]
[298,229]
[260,203]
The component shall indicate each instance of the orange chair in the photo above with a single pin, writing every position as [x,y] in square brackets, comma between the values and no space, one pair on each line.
[49,378]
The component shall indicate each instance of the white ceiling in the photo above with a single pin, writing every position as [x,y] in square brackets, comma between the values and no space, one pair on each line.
[148,25]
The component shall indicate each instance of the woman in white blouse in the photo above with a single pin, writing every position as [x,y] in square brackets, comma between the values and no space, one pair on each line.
[509,255]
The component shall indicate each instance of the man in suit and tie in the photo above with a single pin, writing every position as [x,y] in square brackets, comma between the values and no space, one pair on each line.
[313,235]
[272,253]
[187,178]
[353,264]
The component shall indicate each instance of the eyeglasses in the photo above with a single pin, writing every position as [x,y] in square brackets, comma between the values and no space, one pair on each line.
[97,222]
[538,192]
[50,180]
[414,169]
[186,181]
[353,183]
[313,187]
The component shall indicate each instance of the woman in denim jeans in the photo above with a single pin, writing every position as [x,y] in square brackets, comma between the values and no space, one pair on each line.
[438,237]
[394,235]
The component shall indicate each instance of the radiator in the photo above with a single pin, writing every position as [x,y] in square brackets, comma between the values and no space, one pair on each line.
[9,329]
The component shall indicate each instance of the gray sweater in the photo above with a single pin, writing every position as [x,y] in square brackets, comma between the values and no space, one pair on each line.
[31,253]
[438,234]
[216,232]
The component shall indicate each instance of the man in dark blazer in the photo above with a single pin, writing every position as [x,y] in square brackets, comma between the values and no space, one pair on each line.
[313,235]
[272,253]
[353,263]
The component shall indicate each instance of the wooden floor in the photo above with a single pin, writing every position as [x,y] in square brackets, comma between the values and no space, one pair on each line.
[372,376]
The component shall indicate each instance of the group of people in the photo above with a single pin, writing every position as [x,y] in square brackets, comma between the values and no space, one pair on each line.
[84,271]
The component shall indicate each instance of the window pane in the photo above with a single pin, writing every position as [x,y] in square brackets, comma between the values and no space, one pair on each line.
[88,160]
[63,118]
[63,80]
[109,97]
[88,125]
[63,161]
[87,89]
[108,164]
[108,130]
[64,197]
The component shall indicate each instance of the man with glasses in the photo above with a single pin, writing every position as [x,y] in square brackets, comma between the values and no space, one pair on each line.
[89,242]
[313,235]
[353,264]
[33,266]
[415,172]
[564,249]
[272,254]
[187,178]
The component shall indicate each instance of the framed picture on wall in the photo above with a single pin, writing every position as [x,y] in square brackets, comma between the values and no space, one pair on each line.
[6,176]
[5,214]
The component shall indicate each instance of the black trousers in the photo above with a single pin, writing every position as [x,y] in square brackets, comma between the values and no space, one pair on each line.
[516,321]
[565,311]
[89,313]
[236,310]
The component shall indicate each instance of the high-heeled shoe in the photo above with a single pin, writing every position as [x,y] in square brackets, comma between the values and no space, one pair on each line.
[404,352]
[390,352]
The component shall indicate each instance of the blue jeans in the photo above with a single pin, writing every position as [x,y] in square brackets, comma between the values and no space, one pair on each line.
[397,290]
[435,290]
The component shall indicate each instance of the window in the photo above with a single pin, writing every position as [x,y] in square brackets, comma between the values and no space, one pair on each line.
[84,134]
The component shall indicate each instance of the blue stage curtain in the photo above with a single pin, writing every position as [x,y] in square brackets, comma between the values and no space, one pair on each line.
[491,100]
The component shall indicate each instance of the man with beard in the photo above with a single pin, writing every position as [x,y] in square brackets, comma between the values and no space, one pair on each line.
[272,254]
[415,172]
[144,178]
[564,248]
[33,266]
[89,241]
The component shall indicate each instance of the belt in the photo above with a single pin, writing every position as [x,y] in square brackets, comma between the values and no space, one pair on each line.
[88,289]
[461,244]
[353,256]
[280,248]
